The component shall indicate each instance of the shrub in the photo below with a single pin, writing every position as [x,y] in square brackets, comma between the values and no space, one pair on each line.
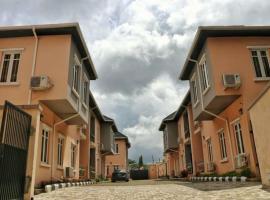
[184,173]
[231,174]
[214,174]
[246,172]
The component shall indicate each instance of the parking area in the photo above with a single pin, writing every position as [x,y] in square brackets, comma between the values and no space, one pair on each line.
[144,190]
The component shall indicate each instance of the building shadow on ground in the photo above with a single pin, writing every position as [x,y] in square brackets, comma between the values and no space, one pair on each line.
[213,186]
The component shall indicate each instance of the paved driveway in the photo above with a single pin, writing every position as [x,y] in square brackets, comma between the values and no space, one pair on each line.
[145,190]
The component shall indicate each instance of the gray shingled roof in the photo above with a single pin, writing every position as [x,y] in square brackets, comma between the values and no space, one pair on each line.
[176,114]
[118,135]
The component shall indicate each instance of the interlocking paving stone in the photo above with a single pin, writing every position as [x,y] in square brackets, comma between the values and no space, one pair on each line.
[144,190]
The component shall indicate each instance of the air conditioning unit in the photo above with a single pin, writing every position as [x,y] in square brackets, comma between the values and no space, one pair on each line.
[231,81]
[40,82]
[83,131]
[69,173]
[211,167]
[241,161]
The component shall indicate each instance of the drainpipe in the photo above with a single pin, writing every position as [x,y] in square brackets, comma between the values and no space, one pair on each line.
[54,128]
[33,63]
[213,114]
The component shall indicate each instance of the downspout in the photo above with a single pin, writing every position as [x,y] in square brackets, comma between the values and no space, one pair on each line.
[33,63]
[54,128]
[213,114]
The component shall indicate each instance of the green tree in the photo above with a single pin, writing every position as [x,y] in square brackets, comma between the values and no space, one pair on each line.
[132,164]
[141,161]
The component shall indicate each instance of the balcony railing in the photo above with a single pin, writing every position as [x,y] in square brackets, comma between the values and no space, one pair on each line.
[92,172]
[92,138]
[189,167]
[187,133]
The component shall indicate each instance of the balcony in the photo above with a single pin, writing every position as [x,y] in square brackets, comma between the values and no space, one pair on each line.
[170,139]
[215,100]
[107,139]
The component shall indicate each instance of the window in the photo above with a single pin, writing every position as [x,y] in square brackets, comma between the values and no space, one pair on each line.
[76,79]
[222,144]
[60,147]
[204,74]
[73,155]
[9,68]
[210,150]
[116,167]
[261,63]
[194,90]
[45,146]
[239,138]
[116,148]
[92,129]
[186,124]
[85,89]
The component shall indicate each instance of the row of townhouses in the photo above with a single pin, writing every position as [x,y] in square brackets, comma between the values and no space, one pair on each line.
[221,124]
[46,70]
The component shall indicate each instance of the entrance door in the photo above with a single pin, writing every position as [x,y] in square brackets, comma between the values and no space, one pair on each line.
[14,139]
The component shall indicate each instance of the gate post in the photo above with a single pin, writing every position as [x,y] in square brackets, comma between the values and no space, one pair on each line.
[30,194]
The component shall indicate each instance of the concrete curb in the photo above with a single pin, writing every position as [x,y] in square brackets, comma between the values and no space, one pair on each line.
[219,179]
[49,188]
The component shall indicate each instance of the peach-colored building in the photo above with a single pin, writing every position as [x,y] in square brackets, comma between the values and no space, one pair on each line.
[90,152]
[46,70]
[260,115]
[227,67]
[171,145]
[119,160]
[182,141]
[156,170]
[99,143]
[190,140]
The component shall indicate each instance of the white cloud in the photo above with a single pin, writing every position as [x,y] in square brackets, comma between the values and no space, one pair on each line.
[138,48]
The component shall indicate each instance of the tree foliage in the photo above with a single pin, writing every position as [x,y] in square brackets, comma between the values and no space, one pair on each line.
[140,161]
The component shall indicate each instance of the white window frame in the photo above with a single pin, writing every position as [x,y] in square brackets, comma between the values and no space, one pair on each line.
[84,96]
[194,85]
[77,65]
[45,144]
[204,75]
[210,150]
[222,144]
[60,149]
[73,155]
[261,64]
[237,129]
[10,66]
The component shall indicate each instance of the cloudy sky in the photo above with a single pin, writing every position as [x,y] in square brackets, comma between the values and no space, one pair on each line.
[138,48]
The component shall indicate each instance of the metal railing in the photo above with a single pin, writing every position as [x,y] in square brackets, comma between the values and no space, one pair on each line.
[92,138]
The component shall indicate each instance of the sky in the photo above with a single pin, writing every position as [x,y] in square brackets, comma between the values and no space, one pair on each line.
[138,48]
